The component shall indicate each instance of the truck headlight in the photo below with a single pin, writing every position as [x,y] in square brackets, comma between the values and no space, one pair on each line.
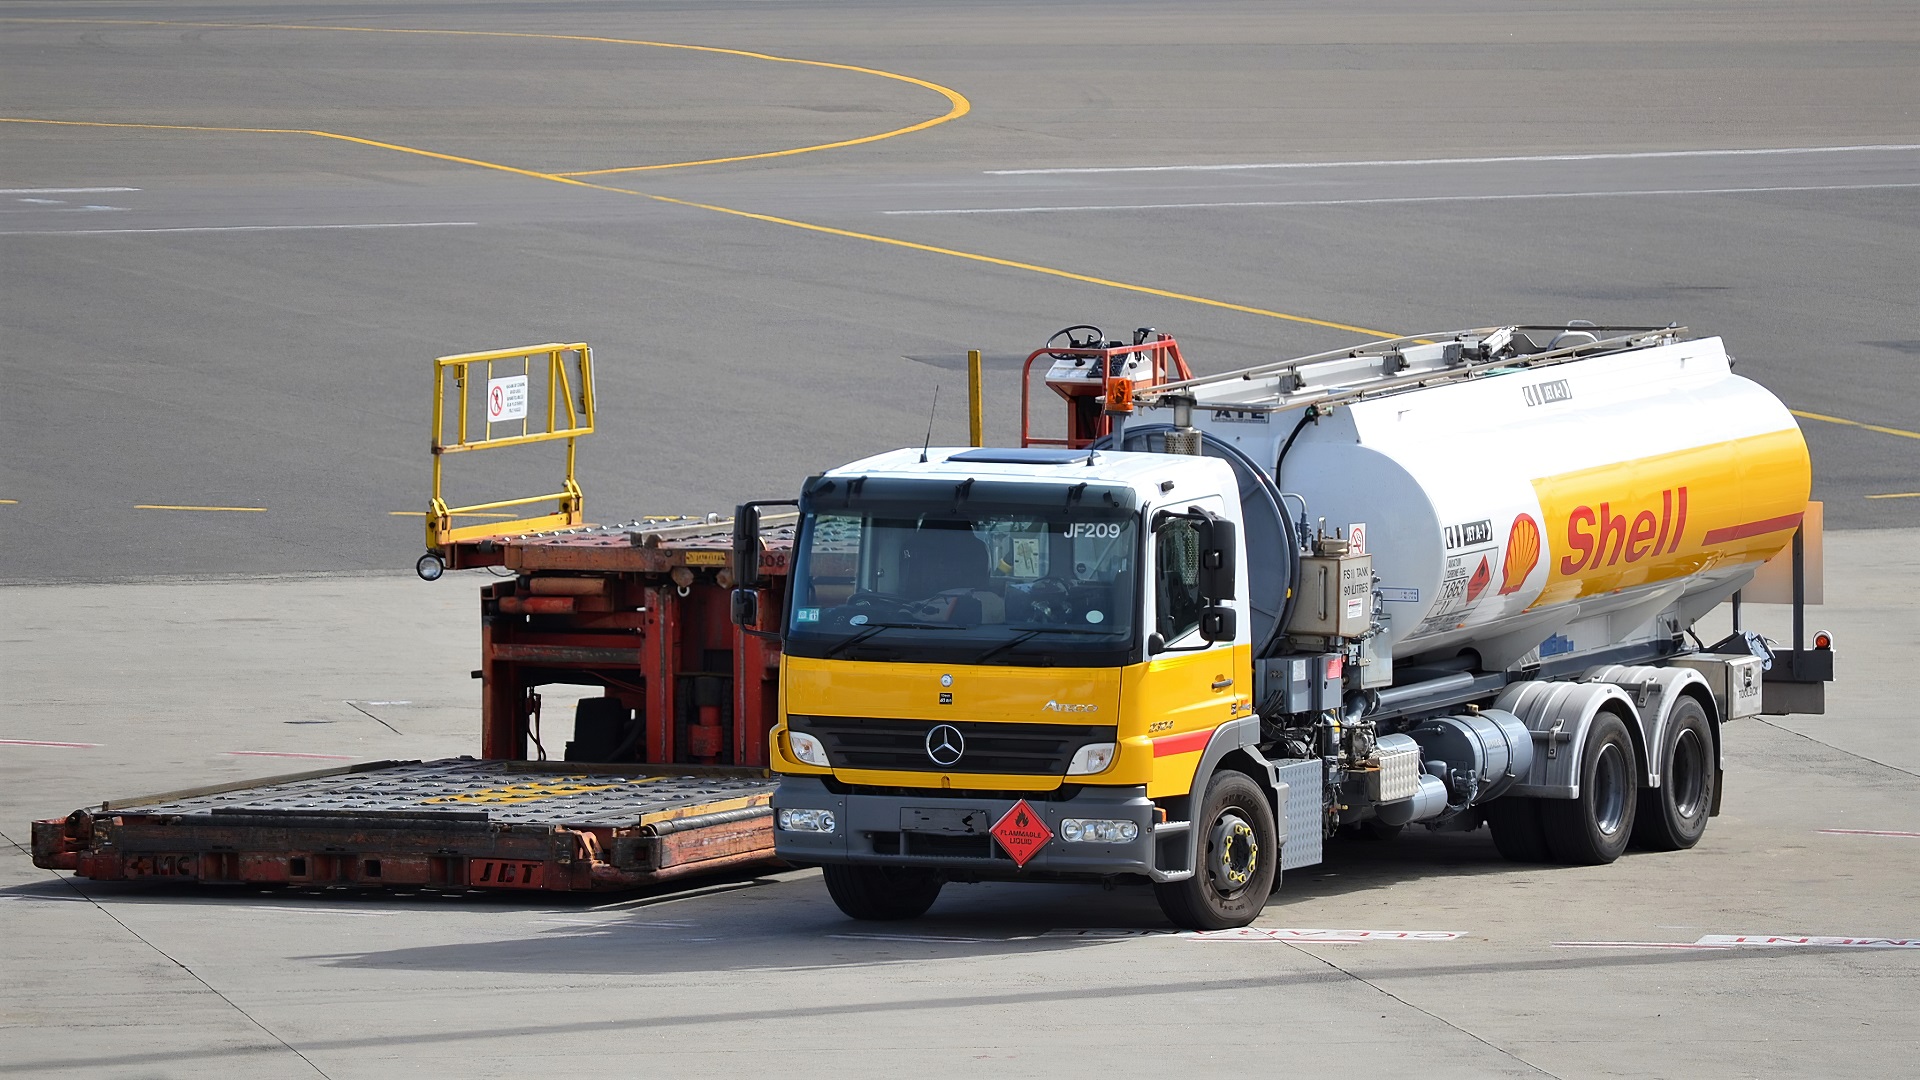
[816,821]
[1091,758]
[807,748]
[1098,831]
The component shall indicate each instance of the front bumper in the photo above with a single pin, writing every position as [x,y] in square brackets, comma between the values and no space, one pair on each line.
[950,833]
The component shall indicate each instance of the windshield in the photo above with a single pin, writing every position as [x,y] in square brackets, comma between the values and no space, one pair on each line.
[974,584]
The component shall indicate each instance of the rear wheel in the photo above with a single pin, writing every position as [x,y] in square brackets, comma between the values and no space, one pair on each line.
[883,892]
[1236,858]
[1517,832]
[1674,815]
[1593,828]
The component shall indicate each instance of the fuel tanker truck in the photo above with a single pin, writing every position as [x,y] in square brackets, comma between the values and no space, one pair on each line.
[1446,581]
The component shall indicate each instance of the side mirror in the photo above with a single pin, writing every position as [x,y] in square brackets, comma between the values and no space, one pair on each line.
[746,554]
[1219,549]
[1218,623]
[746,608]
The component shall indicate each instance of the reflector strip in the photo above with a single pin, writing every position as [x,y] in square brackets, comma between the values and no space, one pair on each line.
[1181,744]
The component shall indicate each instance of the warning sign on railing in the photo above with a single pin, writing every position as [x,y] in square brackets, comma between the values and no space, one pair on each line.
[506,399]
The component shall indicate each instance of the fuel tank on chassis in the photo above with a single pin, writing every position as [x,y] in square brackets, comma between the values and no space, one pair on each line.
[1503,510]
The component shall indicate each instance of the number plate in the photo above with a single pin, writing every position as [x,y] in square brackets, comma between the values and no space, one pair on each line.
[944,820]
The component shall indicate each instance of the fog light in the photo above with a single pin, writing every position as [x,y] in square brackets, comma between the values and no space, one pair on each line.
[1098,831]
[805,820]
[807,748]
[1091,758]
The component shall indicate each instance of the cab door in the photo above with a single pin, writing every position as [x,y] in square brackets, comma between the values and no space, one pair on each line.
[1188,686]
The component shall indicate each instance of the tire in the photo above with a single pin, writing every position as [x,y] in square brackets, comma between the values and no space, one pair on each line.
[1674,815]
[883,893]
[1236,858]
[1517,832]
[1593,829]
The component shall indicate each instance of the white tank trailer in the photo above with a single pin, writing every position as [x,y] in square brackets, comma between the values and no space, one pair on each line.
[1474,560]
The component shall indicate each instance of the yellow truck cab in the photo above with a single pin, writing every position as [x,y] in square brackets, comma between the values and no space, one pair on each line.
[1018,662]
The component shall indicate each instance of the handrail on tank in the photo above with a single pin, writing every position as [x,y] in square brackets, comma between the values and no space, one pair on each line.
[507,404]
[1635,336]
[1167,361]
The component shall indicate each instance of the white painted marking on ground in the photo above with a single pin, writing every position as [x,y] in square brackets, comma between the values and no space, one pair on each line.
[1751,941]
[240,228]
[929,938]
[619,924]
[62,190]
[38,742]
[45,202]
[1394,201]
[1781,941]
[1635,945]
[272,753]
[694,894]
[1866,832]
[1328,937]
[321,911]
[1105,933]
[389,702]
[1623,156]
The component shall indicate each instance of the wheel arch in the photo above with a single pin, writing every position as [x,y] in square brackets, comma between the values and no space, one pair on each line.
[1656,692]
[1559,714]
[1234,748]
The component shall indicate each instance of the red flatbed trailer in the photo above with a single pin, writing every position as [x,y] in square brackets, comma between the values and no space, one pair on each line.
[666,772]
[665,776]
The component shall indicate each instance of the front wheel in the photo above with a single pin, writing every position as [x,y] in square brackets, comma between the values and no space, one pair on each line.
[1236,858]
[1593,828]
[1674,815]
[882,893]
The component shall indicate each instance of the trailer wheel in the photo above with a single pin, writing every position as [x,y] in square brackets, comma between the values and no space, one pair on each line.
[1594,828]
[883,892]
[1674,815]
[1517,832]
[1236,858]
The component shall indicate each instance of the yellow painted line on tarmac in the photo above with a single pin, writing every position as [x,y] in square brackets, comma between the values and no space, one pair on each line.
[209,509]
[1882,429]
[749,215]
[1011,264]
[1897,495]
[9,502]
[959,108]
[957,104]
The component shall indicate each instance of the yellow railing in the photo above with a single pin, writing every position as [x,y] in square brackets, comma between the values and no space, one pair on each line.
[509,381]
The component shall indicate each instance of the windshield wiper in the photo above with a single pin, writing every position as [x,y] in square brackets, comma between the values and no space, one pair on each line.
[1026,636]
[869,629]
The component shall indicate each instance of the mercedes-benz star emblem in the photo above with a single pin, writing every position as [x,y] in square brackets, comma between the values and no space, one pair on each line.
[945,744]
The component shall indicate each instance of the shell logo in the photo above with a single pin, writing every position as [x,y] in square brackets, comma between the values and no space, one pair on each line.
[1523,553]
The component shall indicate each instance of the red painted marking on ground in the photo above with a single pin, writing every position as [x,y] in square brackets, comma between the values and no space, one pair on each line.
[1866,832]
[270,753]
[37,742]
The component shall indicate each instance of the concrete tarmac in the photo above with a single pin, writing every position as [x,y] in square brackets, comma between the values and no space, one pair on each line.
[237,305]
[188,683]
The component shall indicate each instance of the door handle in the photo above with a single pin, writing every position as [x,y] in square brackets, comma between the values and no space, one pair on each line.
[1222,682]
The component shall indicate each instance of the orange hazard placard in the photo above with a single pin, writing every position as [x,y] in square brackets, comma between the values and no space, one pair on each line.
[1021,832]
